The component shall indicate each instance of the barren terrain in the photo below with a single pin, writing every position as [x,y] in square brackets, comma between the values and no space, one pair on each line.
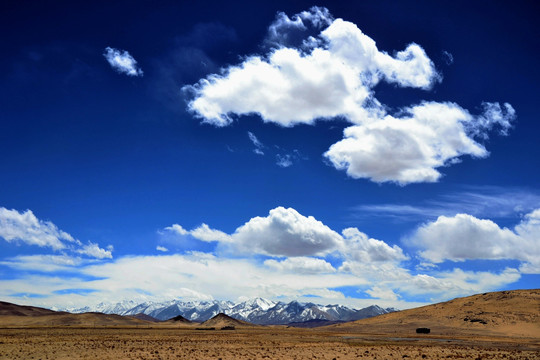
[254,343]
[503,325]
[505,314]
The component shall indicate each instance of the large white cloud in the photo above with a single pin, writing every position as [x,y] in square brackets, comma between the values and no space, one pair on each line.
[333,75]
[290,86]
[25,227]
[301,257]
[286,232]
[199,276]
[192,276]
[464,237]
[410,148]
[410,67]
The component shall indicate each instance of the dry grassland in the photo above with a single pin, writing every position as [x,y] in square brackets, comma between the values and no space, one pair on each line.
[249,343]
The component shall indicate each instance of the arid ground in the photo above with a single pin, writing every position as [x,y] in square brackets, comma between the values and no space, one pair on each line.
[258,343]
[501,325]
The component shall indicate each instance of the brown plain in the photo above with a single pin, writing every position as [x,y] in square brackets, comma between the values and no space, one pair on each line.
[500,325]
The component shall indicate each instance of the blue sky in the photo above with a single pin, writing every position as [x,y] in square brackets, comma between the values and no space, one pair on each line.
[344,152]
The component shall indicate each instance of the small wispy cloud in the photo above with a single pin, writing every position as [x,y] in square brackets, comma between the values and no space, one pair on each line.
[161,248]
[259,146]
[284,158]
[288,158]
[485,202]
[448,57]
[284,161]
[122,61]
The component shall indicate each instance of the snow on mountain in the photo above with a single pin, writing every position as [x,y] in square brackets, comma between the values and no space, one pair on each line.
[252,309]
[257,311]
[107,308]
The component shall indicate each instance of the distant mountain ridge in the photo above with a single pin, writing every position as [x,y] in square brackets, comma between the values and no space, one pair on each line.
[257,311]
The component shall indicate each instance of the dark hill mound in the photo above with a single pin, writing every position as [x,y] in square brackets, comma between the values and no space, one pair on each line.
[221,320]
[179,319]
[9,309]
[20,315]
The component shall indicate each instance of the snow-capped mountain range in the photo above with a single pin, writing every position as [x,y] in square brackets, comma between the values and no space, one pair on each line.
[258,311]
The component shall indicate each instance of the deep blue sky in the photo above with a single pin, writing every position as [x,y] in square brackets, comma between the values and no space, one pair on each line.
[114,159]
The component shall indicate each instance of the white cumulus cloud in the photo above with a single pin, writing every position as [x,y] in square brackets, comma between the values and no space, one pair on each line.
[333,74]
[205,233]
[286,232]
[122,61]
[93,250]
[177,229]
[410,148]
[301,256]
[289,87]
[202,233]
[465,237]
[25,227]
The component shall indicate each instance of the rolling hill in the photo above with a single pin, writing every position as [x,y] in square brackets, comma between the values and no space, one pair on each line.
[20,315]
[505,313]
[9,309]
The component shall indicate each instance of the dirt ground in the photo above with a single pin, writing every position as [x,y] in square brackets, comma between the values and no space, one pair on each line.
[253,343]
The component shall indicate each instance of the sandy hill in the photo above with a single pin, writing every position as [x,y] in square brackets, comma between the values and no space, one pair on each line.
[222,320]
[19,315]
[506,313]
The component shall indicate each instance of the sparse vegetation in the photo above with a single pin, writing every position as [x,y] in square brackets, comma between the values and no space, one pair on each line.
[247,343]
[509,335]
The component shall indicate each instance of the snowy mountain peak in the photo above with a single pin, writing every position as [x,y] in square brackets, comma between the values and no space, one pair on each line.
[261,303]
[257,310]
